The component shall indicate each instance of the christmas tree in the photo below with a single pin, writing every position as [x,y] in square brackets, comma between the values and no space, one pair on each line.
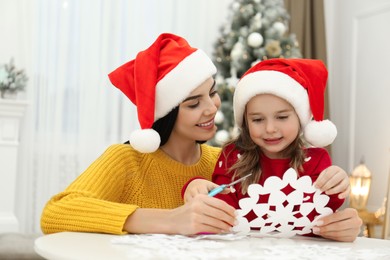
[258,30]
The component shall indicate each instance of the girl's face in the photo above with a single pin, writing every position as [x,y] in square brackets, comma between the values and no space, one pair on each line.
[195,120]
[273,124]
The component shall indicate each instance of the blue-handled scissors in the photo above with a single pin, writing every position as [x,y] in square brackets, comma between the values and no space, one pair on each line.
[219,189]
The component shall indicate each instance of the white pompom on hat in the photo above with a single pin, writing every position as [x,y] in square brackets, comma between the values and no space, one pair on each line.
[301,82]
[158,80]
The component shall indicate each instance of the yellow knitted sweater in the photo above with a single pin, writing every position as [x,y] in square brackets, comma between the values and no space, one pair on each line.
[116,184]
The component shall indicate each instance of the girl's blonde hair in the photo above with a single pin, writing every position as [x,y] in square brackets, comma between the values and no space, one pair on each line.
[249,160]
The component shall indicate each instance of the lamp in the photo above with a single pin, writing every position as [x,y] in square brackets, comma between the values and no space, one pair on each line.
[360,181]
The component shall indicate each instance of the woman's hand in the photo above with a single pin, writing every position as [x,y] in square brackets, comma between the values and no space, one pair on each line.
[344,225]
[203,214]
[334,180]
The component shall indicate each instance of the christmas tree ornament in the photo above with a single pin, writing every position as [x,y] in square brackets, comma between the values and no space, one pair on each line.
[273,49]
[279,27]
[255,40]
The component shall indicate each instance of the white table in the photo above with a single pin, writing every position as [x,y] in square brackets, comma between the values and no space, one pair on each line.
[73,245]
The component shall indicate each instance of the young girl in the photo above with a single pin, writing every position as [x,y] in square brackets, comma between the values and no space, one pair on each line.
[274,103]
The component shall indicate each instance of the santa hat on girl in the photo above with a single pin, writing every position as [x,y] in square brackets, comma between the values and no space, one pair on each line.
[158,80]
[301,82]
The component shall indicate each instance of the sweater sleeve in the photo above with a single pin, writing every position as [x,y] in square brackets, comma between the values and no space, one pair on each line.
[92,203]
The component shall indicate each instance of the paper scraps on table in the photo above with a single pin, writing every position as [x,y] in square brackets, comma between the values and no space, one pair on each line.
[283,215]
[150,246]
[160,246]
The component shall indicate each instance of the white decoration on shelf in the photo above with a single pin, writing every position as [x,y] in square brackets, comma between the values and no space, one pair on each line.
[283,215]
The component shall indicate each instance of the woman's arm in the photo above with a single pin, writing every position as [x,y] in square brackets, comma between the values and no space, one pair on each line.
[203,214]
[92,203]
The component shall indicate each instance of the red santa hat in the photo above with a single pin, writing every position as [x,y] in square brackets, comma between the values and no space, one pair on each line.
[158,80]
[301,82]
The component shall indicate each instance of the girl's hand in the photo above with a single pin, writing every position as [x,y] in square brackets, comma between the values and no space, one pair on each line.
[334,180]
[343,226]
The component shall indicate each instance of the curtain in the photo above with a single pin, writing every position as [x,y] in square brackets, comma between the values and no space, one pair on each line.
[308,23]
[74,112]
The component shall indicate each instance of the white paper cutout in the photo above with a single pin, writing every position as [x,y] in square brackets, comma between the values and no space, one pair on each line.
[283,215]
[233,246]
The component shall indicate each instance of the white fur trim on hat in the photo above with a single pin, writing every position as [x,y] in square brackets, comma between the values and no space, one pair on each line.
[271,82]
[320,133]
[180,81]
[145,140]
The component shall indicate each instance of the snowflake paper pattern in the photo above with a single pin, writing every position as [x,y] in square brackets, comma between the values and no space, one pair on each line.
[283,215]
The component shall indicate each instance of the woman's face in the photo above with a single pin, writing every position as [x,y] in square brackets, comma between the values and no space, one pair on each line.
[273,124]
[195,120]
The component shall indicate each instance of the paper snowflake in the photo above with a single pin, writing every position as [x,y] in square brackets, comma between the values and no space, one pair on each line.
[283,215]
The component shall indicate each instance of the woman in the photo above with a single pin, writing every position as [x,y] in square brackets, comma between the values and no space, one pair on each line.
[136,188]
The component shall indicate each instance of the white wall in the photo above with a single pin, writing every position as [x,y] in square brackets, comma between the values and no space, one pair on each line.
[14,32]
[359,84]
[26,27]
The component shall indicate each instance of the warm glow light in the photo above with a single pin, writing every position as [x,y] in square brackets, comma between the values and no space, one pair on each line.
[360,191]
[360,187]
